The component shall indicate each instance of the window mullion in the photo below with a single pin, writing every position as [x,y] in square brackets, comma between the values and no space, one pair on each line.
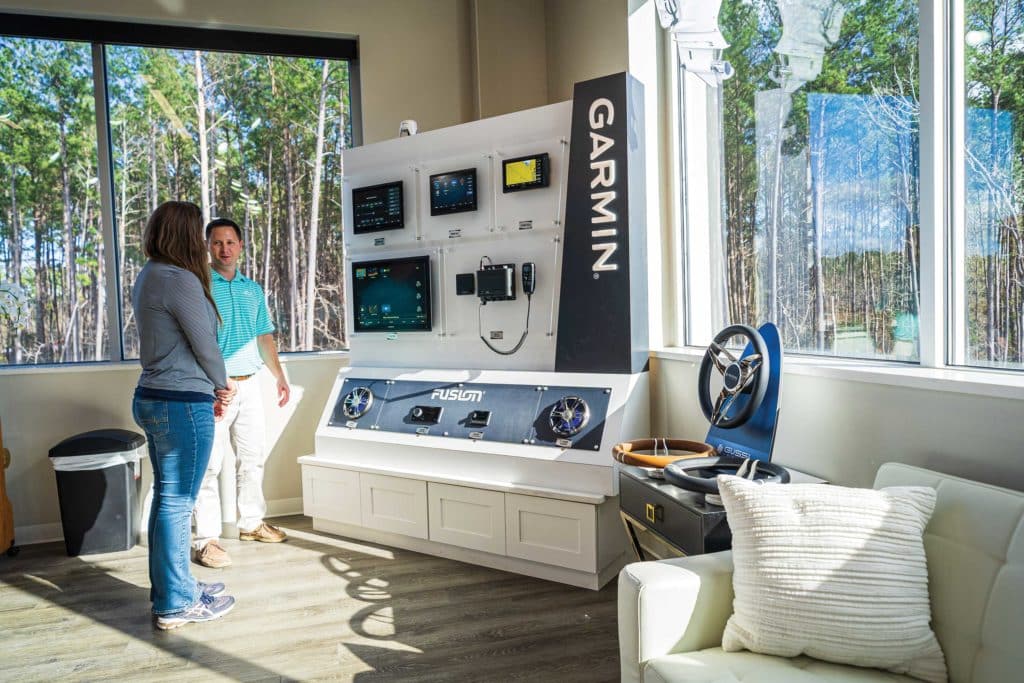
[112,282]
[935,181]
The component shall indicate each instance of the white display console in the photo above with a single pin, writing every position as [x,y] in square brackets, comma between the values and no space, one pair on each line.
[502,495]
[508,255]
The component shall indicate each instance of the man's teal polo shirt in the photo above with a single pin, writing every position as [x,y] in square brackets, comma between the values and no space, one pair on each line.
[243,310]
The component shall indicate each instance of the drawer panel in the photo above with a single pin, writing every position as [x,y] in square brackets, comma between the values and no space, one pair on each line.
[467,517]
[551,531]
[331,494]
[394,504]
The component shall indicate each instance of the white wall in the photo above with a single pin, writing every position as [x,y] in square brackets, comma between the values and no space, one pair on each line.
[585,39]
[40,407]
[842,430]
[510,56]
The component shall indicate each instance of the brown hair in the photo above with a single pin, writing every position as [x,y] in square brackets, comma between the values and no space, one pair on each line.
[223,223]
[174,234]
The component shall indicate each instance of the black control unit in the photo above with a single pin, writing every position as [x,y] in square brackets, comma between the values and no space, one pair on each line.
[428,415]
[496,282]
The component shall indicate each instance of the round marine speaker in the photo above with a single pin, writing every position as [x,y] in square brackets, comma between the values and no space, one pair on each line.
[569,416]
[357,402]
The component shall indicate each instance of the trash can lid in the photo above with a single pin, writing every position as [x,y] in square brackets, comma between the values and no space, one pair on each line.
[98,441]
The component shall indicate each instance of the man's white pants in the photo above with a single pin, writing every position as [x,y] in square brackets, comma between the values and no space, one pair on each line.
[243,429]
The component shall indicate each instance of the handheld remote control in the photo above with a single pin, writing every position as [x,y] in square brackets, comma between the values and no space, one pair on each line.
[529,277]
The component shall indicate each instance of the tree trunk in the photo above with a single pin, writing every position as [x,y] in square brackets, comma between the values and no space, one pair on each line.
[270,220]
[15,255]
[204,152]
[154,193]
[293,263]
[70,270]
[314,210]
[101,290]
[41,293]
[818,228]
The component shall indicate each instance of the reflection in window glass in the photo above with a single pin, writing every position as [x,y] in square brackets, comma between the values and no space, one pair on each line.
[821,166]
[51,245]
[253,138]
[994,185]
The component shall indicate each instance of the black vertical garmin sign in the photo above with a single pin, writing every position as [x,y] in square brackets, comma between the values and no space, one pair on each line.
[602,314]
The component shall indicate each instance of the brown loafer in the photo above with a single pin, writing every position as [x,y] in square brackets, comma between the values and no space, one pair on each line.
[213,555]
[264,533]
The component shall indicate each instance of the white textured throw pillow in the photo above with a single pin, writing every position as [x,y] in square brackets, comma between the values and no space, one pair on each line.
[833,573]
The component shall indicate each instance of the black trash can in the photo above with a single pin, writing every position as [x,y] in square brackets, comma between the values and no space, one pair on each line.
[98,482]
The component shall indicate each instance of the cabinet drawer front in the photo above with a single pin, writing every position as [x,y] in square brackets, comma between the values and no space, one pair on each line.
[466,517]
[331,494]
[551,531]
[689,531]
[394,504]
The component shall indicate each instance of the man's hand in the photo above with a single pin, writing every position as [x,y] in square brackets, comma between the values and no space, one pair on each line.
[218,411]
[284,392]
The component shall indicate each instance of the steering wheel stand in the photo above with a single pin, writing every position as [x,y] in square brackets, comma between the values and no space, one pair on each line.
[737,440]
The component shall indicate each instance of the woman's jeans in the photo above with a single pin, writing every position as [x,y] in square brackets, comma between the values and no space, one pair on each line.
[180,436]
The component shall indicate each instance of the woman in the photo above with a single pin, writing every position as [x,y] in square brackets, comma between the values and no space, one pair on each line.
[182,377]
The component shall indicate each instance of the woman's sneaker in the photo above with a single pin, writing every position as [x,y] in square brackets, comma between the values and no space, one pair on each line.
[210,588]
[206,608]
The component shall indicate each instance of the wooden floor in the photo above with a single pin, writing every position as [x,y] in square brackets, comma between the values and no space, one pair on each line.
[318,607]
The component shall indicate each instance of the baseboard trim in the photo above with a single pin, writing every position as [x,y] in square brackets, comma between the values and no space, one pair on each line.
[284,506]
[30,534]
[573,577]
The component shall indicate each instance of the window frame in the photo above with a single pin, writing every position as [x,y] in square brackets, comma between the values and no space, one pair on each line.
[101,33]
[942,330]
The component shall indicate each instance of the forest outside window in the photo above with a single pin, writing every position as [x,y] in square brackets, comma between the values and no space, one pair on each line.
[807,141]
[989,302]
[253,137]
[51,242]
[815,223]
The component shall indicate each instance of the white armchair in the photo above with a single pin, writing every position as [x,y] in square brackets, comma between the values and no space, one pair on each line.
[672,613]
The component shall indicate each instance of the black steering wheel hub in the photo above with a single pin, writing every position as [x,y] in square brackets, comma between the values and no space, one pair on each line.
[741,376]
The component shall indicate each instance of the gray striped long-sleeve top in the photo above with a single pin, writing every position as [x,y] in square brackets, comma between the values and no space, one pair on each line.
[177,331]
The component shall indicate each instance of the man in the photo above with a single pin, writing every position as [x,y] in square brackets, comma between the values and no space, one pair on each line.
[246,340]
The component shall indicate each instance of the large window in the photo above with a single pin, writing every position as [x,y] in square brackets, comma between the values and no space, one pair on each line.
[51,242]
[991,314]
[818,151]
[253,137]
[805,132]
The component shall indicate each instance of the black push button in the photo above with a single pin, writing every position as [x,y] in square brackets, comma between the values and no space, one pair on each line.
[430,415]
[479,418]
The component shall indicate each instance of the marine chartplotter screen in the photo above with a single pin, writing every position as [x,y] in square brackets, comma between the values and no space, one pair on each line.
[453,192]
[377,207]
[392,295]
[524,173]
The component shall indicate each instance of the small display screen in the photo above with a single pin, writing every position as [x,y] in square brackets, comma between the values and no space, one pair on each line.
[392,295]
[453,192]
[524,173]
[378,207]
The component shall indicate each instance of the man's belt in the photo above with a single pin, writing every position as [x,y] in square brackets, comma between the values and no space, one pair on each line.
[242,378]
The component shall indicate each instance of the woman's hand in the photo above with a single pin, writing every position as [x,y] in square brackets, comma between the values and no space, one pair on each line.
[228,393]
